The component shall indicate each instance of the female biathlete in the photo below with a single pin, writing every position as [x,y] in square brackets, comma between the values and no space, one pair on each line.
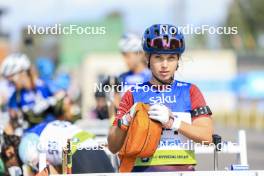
[179,106]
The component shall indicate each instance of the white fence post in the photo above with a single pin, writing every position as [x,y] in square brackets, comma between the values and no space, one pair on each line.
[243,147]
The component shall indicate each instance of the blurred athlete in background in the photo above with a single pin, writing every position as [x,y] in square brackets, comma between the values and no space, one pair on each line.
[132,52]
[32,101]
[50,138]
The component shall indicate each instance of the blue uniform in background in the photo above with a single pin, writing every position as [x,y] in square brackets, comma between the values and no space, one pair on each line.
[130,78]
[27,99]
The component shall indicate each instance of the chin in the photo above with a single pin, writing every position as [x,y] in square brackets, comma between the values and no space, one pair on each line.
[165,79]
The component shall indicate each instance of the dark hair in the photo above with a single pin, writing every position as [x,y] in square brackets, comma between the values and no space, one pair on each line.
[99,94]
[10,141]
[114,82]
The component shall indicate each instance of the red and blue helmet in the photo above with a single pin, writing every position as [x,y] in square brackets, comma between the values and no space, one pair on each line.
[163,39]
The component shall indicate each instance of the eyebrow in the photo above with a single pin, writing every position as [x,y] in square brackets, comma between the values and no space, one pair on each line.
[172,55]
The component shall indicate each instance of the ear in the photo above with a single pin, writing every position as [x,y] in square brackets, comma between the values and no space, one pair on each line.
[147,59]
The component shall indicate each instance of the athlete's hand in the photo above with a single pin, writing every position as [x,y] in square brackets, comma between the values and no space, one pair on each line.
[160,113]
[41,106]
[53,100]
[126,119]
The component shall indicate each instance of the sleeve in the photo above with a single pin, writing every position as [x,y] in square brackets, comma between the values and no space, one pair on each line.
[12,104]
[122,77]
[125,104]
[197,100]
[46,90]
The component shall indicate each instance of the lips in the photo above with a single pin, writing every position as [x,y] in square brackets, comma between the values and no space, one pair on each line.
[164,72]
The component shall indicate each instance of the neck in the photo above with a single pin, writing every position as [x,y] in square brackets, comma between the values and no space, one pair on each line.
[156,81]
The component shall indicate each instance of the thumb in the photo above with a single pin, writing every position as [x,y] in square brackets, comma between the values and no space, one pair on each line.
[133,110]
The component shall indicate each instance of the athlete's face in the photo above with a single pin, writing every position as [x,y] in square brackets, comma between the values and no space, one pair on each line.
[20,80]
[132,59]
[16,80]
[163,66]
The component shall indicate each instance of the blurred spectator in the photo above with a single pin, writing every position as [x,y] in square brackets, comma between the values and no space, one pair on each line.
[101,110]
[5,93]
[131,49]
[32,101]
[46,70]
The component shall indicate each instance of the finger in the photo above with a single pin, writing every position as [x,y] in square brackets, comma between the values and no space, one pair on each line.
[156,112]
[155,107]
[132,112]
[152,108]
[153,113]
[153,117]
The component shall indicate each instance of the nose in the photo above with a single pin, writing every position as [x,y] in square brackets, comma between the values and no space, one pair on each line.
[164,63]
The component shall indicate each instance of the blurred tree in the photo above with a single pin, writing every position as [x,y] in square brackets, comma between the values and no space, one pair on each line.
[75,47]
[248,17]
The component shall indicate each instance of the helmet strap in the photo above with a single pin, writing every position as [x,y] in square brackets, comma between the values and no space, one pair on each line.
[149,60]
